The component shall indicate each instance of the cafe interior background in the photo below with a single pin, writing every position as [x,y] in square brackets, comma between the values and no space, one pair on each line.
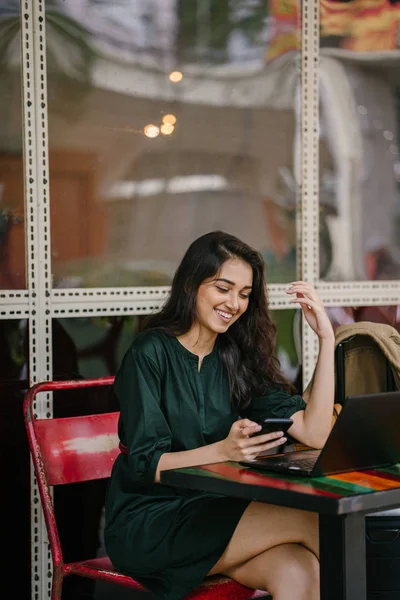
[128,129]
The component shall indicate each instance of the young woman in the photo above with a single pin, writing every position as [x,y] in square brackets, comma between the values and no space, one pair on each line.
[192,388]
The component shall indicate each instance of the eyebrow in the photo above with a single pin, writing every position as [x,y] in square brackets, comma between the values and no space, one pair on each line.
[249,287]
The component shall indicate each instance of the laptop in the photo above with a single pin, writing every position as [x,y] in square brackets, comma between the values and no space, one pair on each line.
[366,435]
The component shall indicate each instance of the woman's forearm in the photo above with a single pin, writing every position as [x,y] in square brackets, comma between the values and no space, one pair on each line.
[315,424]
[190,458]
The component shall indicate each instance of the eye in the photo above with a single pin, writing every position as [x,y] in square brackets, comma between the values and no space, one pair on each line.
[221,289]
[245,296]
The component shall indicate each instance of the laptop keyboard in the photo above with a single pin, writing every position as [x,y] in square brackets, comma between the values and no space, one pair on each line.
[302,464]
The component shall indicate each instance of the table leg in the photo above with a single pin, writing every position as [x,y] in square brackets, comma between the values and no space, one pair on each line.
[342,557]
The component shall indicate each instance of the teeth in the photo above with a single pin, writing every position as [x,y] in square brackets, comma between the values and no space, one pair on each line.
[224,314]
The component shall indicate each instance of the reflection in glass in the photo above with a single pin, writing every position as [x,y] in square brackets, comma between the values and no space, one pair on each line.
[12,239]
[360,166]
[288,347]
[346,315]
[92,347]
[169,119]
[360,25]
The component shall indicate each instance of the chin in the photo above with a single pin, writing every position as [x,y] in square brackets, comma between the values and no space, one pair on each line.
[216,328]
[221,328]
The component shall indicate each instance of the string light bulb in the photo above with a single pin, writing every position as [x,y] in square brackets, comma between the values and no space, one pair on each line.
[169,119]
[176,76]
[167,128]
[151,131]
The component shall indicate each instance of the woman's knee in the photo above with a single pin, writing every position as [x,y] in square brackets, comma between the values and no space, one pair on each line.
[301,572]
[265,526]
[302,565]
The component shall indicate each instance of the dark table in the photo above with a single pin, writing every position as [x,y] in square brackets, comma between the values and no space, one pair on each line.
[341,501]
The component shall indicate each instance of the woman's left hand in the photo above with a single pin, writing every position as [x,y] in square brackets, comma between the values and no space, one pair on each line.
[312,307]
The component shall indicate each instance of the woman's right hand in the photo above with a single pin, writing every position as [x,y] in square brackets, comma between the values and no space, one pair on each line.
[238,445]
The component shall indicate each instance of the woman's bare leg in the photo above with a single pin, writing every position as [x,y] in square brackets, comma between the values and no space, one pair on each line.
[264,526]
[287,571]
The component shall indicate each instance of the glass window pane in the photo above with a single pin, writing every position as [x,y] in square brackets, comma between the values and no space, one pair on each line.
[359,25]
[85,348]
[360,163]
[12,237]
[14,356]
[91,347]
[288,346]
[169,119]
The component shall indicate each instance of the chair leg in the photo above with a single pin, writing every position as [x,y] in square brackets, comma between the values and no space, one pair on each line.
[57,584]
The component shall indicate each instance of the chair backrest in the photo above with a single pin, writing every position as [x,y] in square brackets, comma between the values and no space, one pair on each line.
[69,449]
[72,449]
[367,360]
[361,368]
[77,449]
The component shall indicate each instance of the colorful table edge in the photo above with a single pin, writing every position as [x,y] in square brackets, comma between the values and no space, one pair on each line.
[344,493]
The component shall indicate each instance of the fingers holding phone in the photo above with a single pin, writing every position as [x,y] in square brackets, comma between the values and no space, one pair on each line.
[247,439]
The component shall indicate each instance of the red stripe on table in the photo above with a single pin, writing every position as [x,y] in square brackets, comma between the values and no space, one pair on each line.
[261,479]
[368,479]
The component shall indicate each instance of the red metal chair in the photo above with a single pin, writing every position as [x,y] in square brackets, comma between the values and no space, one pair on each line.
[83,448]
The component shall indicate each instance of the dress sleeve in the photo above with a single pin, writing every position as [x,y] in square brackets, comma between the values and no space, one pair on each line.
[143,427]
[274,402]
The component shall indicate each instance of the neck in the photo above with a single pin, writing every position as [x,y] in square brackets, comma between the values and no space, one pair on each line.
[198,341]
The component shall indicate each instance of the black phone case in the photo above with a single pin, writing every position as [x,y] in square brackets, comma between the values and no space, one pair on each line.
[270,427]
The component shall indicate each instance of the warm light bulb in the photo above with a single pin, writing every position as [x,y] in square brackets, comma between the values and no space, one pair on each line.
[169,119]
[167,128]
[175,76]
[151,131]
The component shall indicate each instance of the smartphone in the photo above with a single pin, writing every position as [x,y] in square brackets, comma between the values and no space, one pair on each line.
[270,425]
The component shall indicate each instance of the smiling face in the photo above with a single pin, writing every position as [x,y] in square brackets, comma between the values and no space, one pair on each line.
[222,299]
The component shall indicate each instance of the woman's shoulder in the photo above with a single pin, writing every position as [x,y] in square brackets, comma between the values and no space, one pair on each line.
[150,344]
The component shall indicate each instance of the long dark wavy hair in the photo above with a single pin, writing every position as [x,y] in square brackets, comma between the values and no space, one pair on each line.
[247,348]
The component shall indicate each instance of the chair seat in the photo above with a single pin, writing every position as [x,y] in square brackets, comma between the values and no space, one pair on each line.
[213,588]
[101,568]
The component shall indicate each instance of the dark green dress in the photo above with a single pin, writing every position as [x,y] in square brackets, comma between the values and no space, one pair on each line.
[165,538]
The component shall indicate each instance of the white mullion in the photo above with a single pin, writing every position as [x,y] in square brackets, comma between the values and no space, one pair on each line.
[14,296]
[38,550]
[309,169]
[43,239]
[33,48]
[95,309]
[359,293]
[12,312]
[354,293]
[36,188]
[72,295]
[355,299]
[14,304]
[112,301]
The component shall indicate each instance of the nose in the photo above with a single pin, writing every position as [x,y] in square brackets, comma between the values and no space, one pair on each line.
[233,302]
